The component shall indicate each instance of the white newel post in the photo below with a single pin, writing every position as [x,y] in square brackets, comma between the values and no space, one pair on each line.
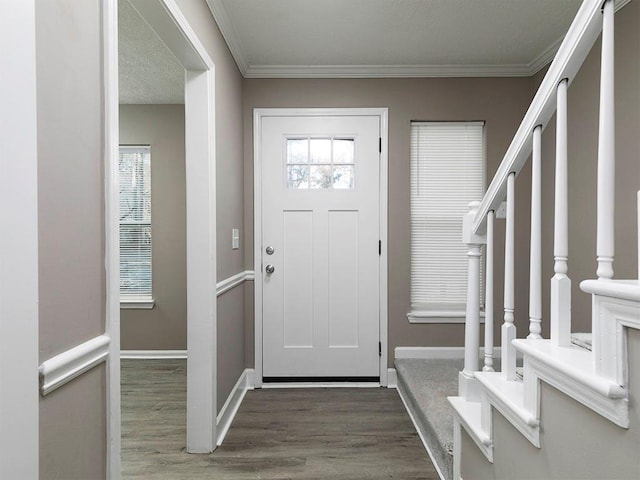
[535,259]
[606,150]
[466,380]
[488,299]
[561,283]
[508,327]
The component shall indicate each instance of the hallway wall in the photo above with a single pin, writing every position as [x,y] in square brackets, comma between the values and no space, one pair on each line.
[501,102]
[165,326]
[73,431]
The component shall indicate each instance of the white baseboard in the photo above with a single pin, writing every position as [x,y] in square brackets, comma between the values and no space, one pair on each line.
[152,354]
[429,353]
[231,406]
[392,378]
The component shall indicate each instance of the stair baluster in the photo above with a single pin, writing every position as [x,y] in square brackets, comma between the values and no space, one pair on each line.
[561,283]
[606,150]
[488,300]
[508,327]
[535,258]
[466,379]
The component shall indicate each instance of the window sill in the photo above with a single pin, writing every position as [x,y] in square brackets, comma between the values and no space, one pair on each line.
[137,304]
[439,316]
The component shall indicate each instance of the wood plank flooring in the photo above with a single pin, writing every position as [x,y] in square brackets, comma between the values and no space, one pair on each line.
[310,434]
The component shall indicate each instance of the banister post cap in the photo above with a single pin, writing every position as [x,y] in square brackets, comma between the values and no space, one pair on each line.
[468,236]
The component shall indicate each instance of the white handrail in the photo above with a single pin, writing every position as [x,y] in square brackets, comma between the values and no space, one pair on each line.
[574,49]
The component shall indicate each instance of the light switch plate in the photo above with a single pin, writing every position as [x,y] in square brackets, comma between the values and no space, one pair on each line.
[235,238]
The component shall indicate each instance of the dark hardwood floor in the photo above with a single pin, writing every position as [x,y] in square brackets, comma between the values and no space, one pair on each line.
[339,433]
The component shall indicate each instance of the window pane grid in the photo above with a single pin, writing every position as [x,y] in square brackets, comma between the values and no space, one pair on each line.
[447,172]
[135,222]
[320,163]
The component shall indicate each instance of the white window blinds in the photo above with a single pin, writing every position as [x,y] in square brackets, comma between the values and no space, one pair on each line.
[447,172]
[135,222]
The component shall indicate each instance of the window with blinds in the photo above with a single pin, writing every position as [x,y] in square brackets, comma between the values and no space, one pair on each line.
[447,172]
[135,223]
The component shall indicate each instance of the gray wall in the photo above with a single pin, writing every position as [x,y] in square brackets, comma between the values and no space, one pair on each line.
[165,326]
[500,102]
[71,230]
[230,191]
[576,442]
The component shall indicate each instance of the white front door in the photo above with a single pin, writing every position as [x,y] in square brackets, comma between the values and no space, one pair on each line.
[320,246]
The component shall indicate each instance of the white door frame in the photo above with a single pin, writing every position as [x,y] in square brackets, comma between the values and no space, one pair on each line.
[19,406]
[167,20]
[258,115]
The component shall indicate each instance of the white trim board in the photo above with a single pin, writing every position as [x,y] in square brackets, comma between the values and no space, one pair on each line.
[392,378]
[232,404]
[19,347]
[429,353]
[383,114]
[281,385]
[64,367]
[112,229]
[227,284]
[152,354]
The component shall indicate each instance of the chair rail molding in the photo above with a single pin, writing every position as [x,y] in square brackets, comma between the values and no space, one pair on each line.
[233,281]
[64,367]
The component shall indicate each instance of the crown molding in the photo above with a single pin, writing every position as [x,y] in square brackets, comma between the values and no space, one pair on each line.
[229,33]
[375,71]
[385,71]
[620,3]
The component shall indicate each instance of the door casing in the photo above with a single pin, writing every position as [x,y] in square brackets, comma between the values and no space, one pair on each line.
[258,115]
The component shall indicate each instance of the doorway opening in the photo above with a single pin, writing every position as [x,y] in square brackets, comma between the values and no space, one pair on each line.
[165,20]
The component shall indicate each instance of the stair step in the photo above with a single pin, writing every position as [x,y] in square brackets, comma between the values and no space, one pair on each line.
[574,362]
[424,385]
[583,340]
[508,397]
[469,414]
[572,371]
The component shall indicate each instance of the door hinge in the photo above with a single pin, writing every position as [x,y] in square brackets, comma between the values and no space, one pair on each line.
[380,144]
[379,247]
[379,349]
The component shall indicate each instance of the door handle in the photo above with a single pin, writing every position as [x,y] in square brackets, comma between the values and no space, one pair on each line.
[270,269]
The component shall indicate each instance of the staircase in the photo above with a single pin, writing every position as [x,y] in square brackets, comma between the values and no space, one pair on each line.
[597,377]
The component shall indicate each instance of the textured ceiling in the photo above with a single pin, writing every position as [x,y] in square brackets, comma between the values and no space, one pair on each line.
[148,71]
[441,37]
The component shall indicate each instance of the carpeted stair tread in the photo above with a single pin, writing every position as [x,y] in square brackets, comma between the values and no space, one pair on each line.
[426,384]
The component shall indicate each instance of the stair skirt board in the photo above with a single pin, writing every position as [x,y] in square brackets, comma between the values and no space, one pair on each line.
[420,434]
